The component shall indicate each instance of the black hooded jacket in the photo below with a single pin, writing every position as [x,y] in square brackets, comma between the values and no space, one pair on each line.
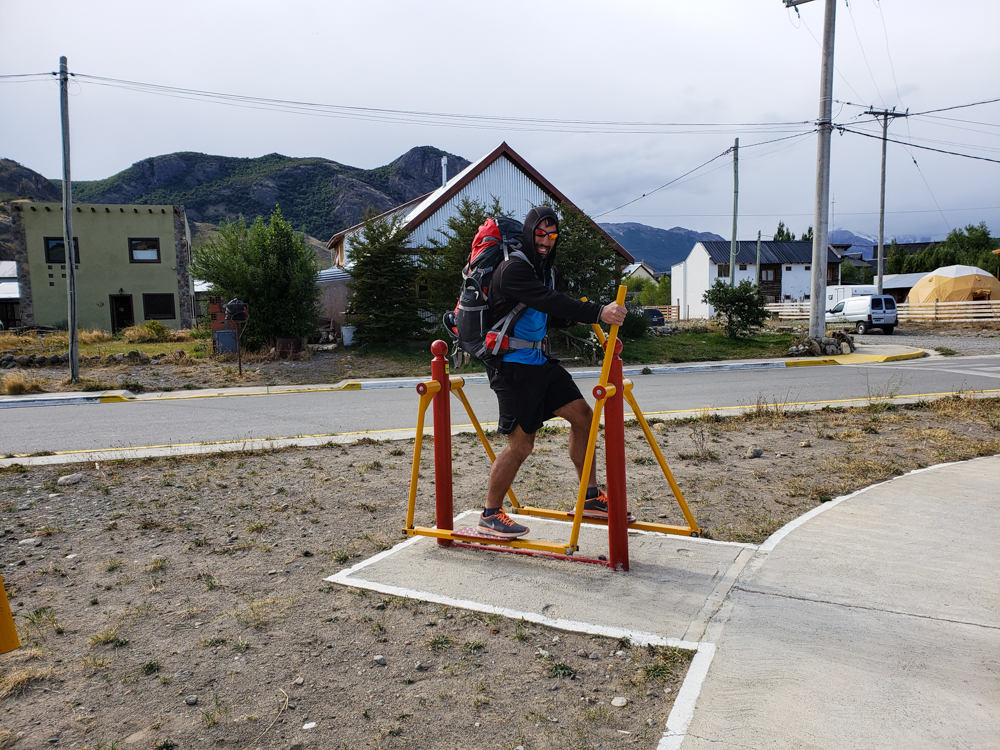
[515,281]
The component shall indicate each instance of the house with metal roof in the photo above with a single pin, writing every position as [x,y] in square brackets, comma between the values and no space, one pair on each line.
[785,272]
[502,174]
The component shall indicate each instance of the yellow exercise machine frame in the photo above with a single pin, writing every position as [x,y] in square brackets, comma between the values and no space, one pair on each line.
[429,390]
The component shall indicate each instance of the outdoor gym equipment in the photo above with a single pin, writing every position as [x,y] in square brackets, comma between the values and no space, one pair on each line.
[611,393]
[8,631]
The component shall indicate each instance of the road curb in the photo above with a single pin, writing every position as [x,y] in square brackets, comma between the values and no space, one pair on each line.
[108,397]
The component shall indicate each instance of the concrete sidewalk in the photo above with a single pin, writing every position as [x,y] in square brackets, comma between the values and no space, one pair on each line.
[871,622]
[874,623]
[865,354]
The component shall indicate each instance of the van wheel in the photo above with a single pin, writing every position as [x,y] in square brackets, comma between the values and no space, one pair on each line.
[861,327]
[887,330]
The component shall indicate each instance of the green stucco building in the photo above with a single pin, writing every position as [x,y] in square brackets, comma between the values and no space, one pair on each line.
[131,265]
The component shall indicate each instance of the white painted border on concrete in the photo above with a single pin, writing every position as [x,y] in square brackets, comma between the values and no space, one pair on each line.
[682,713]
[639,637]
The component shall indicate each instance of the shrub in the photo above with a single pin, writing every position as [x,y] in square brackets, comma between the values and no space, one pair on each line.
[634,326]
[741,306]
[150,332]
[271,269]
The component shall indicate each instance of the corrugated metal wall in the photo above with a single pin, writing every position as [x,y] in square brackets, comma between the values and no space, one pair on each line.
[517,194]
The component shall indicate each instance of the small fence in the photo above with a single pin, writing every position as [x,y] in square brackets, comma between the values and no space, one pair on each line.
[670,312]
[954,312]
[789,310]
[949,312]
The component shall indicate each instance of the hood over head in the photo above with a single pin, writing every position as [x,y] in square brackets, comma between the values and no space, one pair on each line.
[531,221]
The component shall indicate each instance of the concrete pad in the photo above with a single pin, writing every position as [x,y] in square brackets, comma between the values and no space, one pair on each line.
[875,623]
[658,601]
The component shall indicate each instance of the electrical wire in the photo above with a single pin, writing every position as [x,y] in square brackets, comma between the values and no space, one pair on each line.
[864,56]
[885,33]
[440,118]
[957,106]
[700,166]
[914,145]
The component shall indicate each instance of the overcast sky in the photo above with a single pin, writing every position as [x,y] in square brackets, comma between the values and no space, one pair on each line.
[712,67]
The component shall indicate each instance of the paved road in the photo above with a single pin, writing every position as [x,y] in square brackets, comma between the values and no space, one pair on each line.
[147,423]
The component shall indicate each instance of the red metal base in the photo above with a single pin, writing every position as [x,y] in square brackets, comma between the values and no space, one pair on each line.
[484,545]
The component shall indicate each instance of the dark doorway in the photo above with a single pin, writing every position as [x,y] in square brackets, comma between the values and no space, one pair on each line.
[121,312]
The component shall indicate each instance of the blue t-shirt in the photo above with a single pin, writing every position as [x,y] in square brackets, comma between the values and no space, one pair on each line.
[530,327]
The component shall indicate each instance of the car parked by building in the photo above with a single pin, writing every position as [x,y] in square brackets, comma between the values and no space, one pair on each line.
[653,316]
[865,313]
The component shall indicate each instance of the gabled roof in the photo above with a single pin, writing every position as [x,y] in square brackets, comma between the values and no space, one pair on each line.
[770,252]
[420,209]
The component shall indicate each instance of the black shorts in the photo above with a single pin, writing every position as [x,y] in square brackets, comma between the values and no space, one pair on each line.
[530,394]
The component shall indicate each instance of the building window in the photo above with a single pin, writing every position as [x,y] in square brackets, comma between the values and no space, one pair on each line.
[767,274]
[158,307]
[723,269]
[55,250]
[830,274]
[143,250]
[808,268]
[743,266]
[788,268]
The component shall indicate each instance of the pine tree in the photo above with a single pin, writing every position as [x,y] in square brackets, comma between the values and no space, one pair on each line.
[781,234]
[384,305]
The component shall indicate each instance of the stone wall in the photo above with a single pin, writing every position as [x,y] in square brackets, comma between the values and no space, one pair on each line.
[185,294]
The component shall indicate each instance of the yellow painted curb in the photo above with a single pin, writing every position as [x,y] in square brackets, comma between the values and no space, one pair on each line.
[113,399]
[849,359]
[810,362]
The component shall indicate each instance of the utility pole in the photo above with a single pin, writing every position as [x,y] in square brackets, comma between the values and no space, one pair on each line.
[736,207]
[758,259]
[67,205]
[885,114]
[821,213]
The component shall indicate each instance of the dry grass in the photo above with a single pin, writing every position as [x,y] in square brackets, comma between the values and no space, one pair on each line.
[17,383]
[19,681]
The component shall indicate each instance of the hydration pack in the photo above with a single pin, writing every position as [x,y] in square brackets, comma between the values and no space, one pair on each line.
[476,325]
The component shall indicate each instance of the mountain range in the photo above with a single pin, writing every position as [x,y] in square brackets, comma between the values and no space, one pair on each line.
[317,196]
[658,248]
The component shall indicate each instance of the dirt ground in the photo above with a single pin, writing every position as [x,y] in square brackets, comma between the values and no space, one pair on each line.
[152,584]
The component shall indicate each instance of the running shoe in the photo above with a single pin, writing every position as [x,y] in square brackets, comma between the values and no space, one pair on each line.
[597,507]
[501,525]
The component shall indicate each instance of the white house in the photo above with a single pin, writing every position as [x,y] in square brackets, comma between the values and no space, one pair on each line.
[501,174]
[785,272]
[640,270]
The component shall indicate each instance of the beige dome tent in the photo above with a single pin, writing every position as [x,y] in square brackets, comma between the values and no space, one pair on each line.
[955,284]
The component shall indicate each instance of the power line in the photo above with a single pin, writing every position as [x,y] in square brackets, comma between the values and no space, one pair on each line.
[700,166]
[958,106]
[863,55]
[428,118]
[914,145]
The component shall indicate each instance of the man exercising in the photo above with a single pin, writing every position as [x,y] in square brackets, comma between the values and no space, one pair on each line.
[530,387]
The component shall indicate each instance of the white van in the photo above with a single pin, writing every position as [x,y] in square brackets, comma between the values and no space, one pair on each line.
[865,313]
[835,294]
